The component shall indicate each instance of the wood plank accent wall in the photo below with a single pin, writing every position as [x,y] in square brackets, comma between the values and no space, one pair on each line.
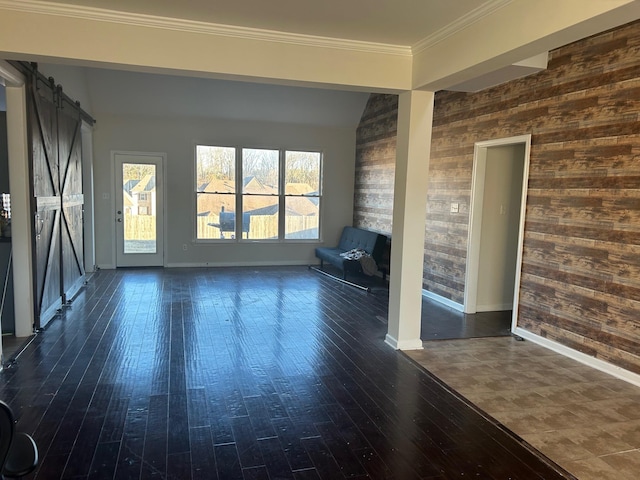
[581,261]
[375,164]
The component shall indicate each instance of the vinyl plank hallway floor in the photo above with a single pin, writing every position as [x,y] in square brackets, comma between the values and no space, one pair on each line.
[244,373]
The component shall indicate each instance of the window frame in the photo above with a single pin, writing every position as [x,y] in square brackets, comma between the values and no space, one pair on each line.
[281,195]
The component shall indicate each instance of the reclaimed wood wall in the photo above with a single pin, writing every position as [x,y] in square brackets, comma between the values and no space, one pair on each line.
[375,164]
[580,281]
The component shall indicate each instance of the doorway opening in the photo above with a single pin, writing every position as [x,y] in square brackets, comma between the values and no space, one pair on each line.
[496,225]
[17,267]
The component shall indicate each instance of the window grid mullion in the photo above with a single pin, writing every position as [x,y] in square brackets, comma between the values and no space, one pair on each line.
[239,193]
[281,195]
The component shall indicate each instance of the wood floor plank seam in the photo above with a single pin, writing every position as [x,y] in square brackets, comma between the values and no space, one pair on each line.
[238,373]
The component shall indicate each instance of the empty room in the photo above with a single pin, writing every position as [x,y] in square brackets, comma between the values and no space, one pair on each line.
[169,170]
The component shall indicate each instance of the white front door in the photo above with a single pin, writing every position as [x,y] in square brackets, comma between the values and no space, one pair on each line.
[139,209]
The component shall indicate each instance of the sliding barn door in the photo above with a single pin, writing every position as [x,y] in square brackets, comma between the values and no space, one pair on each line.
[56,149]
[42,113]
[71,235]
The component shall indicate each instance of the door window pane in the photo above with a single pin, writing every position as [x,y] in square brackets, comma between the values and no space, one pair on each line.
[139,204]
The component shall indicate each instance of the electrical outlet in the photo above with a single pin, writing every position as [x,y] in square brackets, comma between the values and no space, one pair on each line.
[455,207]
[184,247]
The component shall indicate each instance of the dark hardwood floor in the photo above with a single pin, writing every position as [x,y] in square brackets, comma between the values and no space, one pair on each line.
[12,346]
[244,373]
[440,322]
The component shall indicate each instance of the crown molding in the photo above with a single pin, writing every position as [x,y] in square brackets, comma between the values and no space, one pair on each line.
[459,24]
[192,26]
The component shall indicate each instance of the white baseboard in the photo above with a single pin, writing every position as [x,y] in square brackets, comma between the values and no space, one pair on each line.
[106,266]
[445,301]
[606,367]
[414,344]
[286,263]
[271,263]
[494,308]
[268,263]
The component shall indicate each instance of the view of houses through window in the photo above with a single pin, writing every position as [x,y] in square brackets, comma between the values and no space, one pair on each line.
[139,203]
[278,193]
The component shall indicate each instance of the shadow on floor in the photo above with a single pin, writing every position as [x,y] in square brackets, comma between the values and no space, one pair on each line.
[375,284]
[440,322]
[12,346]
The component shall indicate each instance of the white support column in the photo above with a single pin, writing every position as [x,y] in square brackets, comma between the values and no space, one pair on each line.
[21,219]
[415,119]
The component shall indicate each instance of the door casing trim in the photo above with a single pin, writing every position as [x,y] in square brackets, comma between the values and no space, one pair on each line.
[475,220]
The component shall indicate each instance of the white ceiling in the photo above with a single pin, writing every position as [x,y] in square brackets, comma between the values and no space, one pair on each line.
[397,25]
[390,22]
[409,25]
[394,22]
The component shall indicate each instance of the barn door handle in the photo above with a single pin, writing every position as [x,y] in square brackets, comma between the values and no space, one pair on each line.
[39,225]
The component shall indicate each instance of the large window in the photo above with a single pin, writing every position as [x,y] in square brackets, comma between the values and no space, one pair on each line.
[302,195]
[277,191]
[215,192]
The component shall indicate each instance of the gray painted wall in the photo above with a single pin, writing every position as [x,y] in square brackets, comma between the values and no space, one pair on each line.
[170,114]
[177,137]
